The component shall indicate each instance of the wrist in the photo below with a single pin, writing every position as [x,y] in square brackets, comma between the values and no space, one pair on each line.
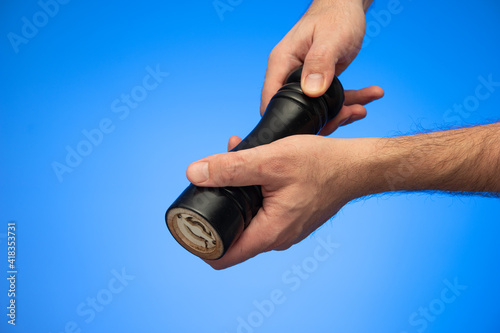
[369,166]
[355,167]
[376,165]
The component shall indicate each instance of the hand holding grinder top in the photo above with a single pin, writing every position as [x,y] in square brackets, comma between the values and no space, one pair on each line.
[207,220]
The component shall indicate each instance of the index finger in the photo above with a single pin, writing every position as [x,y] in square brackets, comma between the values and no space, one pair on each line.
[280,64]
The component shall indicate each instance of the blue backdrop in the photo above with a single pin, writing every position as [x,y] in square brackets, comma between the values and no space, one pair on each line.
[104,105]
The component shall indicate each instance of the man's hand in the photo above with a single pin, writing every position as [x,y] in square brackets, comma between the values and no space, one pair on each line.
[306,179]
[287,202]
[326,39]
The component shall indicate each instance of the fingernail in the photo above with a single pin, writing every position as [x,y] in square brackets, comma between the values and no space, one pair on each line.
[198,172]
[314,82]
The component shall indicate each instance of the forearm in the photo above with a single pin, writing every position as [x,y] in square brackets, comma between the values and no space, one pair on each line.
[462,160]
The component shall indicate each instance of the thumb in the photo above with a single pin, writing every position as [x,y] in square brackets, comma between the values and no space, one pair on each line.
[319,67]
[240,168]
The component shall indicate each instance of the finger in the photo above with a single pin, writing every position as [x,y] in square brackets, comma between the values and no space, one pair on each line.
[251,242]
[240,168]
[319,65]
[357,112]
[280,64]
[363,96]
[347,115]
[233,142]
[353,109]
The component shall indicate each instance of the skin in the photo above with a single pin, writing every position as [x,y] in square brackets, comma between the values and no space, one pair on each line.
[325,40]
[306,179]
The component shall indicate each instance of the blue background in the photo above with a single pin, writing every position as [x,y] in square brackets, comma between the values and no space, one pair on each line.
[74,234]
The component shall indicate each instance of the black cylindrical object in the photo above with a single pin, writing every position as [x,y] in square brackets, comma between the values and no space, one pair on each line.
[207,220]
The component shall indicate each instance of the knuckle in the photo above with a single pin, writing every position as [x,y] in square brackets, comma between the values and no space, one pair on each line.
[286,162]
[274,56]
[320,51]
[320,56]
[275,52]
[230,167]
[278,168]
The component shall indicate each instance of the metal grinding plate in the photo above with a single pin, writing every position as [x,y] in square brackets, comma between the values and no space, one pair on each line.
[194,233]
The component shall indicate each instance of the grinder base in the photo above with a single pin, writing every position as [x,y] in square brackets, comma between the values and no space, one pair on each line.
[193,232]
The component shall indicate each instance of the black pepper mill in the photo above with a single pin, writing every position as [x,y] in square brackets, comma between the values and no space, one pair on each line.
[206,220]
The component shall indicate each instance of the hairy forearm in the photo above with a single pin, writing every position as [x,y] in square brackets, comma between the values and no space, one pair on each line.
[461,160]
